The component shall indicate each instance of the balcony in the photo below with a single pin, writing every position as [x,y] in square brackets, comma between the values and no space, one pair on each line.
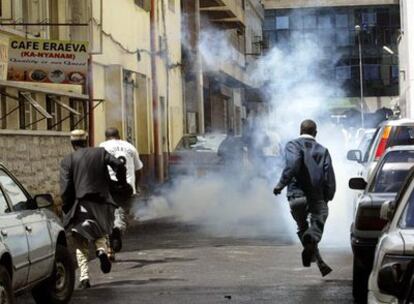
[225,13]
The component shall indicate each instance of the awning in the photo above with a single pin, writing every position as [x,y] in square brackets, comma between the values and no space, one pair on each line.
[34,88]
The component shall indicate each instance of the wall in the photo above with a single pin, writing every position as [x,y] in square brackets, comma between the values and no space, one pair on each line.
[34,158]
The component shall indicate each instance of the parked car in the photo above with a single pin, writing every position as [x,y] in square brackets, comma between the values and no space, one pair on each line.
[391,279]
[382,186]
[33,248]
[388,134]
[196,154]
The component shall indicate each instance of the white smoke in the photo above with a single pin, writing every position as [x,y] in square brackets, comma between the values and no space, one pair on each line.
[239,201]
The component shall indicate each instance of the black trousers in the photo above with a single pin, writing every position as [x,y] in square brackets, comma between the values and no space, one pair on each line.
[310,217]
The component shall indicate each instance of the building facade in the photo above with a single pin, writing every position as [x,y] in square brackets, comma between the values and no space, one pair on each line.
[133,83]
[223,38]
[332,25]
[406,56]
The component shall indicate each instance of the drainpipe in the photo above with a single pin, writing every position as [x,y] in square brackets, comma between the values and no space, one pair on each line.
[199,73]
[158,158]
[91,130]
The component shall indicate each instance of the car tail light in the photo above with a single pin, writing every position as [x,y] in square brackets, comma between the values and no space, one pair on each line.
[383,142]
[369,219]
[174,159]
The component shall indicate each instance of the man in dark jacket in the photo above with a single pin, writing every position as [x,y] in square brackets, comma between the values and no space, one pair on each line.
[310,179]
[87,204]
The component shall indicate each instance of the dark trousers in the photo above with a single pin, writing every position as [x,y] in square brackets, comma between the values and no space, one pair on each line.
[310,217]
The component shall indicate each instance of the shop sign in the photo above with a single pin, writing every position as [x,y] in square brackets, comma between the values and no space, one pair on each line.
[48,61]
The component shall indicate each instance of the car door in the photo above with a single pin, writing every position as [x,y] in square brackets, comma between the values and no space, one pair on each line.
[13,235]
[36,227]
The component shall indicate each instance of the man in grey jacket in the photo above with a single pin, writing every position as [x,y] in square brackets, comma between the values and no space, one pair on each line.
[87,204]
[310,179]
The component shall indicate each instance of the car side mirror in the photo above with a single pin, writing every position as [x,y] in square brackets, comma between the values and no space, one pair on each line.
[390,279]
[354,155]
[357,183]
[43,201]
[387,210]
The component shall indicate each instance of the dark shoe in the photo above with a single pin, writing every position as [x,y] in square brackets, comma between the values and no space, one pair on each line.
[105,262]
[84,284]
[115,240]
[323,267]
[309,251]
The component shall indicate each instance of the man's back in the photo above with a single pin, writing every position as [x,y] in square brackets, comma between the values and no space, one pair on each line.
[123,149]
[311,168]
[86,170]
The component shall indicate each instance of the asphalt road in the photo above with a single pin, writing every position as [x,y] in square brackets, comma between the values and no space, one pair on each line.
[170,263]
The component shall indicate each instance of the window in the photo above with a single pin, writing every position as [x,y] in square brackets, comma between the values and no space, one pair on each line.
[309,22]
[324,22]
[56,112]
[341,21]
[296,22]
[371,72]
[5,9]
[343,38]
[18,198]
[393,171]
[282,22]
[27,115]
[4,207]
[269,23]
[343,73]
[369,18]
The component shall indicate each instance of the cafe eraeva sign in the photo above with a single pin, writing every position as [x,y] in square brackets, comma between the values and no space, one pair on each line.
[49,61]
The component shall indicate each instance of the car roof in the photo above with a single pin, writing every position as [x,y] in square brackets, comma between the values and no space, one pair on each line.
[398,122]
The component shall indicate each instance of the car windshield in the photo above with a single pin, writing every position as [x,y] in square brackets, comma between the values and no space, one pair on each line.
[393,171]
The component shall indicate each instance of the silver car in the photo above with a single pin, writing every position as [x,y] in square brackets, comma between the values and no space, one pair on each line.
[33,247]
[391,279]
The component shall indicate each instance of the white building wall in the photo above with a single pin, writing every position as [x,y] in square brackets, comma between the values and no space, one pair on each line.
[406,53]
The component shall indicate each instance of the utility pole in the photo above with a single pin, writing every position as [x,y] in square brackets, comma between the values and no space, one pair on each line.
[361,76]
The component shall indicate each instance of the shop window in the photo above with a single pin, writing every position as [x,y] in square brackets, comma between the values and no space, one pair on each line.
[282,22]
[341,21]
[79,122]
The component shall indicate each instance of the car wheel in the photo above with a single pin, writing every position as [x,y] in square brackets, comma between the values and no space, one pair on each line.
[59,287]
[6,290]
[360,277]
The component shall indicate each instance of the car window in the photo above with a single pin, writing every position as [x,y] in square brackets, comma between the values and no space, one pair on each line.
[403,136]
[365,144]
[18,198]
[393,171]
[373,144]
[4,207]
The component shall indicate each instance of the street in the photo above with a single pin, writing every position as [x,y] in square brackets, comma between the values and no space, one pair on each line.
[170,263]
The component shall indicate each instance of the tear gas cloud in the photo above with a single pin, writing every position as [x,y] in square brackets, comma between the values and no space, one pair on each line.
[239,201]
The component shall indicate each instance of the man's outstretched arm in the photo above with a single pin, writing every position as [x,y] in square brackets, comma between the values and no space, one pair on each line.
[292,166]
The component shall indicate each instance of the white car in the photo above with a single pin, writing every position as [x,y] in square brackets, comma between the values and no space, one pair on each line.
[33,248]
[391,276]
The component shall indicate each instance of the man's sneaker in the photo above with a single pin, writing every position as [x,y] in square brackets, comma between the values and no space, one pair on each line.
[84,284]
[105,262]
